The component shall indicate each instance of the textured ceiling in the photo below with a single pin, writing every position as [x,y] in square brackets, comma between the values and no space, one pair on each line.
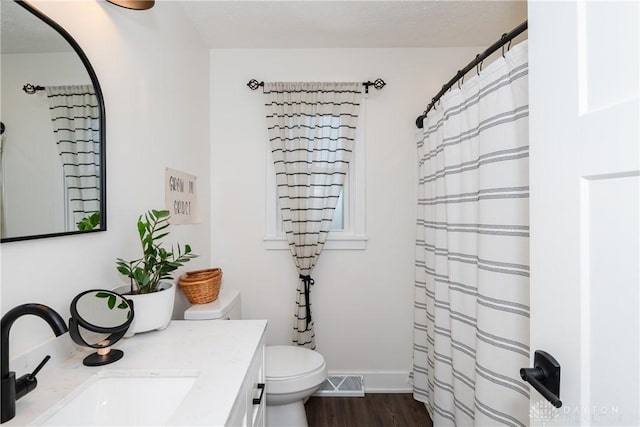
[352,23]
[309,24]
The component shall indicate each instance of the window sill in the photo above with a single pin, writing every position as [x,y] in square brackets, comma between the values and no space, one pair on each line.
[335,242]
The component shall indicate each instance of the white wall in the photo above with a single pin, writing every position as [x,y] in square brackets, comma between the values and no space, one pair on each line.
[154,75]
[33,179]
[362,300]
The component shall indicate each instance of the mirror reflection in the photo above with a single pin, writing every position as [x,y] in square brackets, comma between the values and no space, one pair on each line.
[52,145]
[99,319]
[103,309]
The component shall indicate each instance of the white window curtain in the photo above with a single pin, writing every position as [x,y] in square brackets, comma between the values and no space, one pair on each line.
[471,324]
[76,126]
[312,128]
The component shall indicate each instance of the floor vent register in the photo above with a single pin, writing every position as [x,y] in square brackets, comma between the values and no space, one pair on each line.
[342,386]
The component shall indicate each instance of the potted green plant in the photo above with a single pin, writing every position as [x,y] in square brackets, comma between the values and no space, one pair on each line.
[152,295]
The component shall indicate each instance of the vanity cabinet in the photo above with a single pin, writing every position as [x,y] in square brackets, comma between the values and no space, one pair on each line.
[250,405]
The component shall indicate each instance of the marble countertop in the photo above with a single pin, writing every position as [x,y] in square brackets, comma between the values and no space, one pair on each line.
[218,352]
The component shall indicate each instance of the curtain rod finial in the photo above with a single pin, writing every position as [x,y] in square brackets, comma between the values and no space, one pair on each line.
[377,83]
[31,89]
[254,84]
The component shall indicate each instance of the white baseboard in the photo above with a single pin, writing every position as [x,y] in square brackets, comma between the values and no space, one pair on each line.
[383,382]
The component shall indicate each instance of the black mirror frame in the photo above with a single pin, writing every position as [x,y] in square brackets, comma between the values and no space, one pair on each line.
[103,157]
[81,321]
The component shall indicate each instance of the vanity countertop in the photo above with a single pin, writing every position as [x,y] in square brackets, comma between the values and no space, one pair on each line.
[219,352]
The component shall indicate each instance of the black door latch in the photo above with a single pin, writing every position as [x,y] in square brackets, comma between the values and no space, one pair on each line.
[544,376]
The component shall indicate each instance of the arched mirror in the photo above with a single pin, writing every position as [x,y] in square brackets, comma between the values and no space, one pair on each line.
[52,152]
[99,318]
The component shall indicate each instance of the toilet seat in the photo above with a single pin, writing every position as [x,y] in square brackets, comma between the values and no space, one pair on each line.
[291,369]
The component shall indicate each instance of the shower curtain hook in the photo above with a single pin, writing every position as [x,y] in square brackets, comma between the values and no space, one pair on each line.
[509,47]
[478,65]
[503,42]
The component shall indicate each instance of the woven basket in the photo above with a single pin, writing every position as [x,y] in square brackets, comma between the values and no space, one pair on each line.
[201,286]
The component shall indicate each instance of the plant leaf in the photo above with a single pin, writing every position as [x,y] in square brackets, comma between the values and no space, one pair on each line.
[141,228]
[158,237]
[112,301]
[164,224]
[102,295]
[161,214]
[124,270]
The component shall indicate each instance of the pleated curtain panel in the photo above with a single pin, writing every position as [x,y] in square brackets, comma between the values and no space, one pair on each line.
[311,128]
[471,323]
[76,126]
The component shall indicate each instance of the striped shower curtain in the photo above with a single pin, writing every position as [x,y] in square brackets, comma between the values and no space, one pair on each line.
[76,126]
[312,129]
[471,321]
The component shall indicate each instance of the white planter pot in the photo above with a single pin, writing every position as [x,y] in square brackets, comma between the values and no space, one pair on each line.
[151,311]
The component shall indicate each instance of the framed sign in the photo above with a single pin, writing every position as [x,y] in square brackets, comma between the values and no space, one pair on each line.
[181,197]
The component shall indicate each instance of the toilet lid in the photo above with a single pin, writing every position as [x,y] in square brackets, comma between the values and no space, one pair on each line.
[287,361]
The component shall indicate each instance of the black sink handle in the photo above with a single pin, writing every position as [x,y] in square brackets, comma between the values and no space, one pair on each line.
[28,382]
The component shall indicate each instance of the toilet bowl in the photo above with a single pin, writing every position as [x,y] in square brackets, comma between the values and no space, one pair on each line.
[292,373]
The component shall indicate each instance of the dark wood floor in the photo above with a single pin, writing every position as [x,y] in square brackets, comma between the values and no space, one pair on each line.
[375,409]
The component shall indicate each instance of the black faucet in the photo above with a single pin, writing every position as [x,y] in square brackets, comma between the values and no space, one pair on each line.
[13,389]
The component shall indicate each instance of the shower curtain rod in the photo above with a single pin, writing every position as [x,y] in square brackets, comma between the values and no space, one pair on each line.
[377,83]
[477,62]
[31,89]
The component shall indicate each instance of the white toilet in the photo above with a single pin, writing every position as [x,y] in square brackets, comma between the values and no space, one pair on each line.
[292,373]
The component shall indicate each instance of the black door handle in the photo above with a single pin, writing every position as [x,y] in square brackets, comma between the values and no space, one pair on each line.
[544,376]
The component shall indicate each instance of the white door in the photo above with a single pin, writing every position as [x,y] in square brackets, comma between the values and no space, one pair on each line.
[585,186]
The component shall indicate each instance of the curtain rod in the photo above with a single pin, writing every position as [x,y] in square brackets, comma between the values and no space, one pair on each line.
[506,38]
[377,83]
[31,89]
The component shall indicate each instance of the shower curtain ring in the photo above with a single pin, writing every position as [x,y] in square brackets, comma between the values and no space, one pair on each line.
[478,65]
[503,42]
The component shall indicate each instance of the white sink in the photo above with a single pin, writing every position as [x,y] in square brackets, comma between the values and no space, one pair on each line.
[121,399]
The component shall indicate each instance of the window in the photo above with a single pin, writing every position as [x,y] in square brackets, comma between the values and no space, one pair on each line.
[348,224]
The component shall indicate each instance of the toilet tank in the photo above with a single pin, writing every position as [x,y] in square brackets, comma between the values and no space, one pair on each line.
[226,307]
